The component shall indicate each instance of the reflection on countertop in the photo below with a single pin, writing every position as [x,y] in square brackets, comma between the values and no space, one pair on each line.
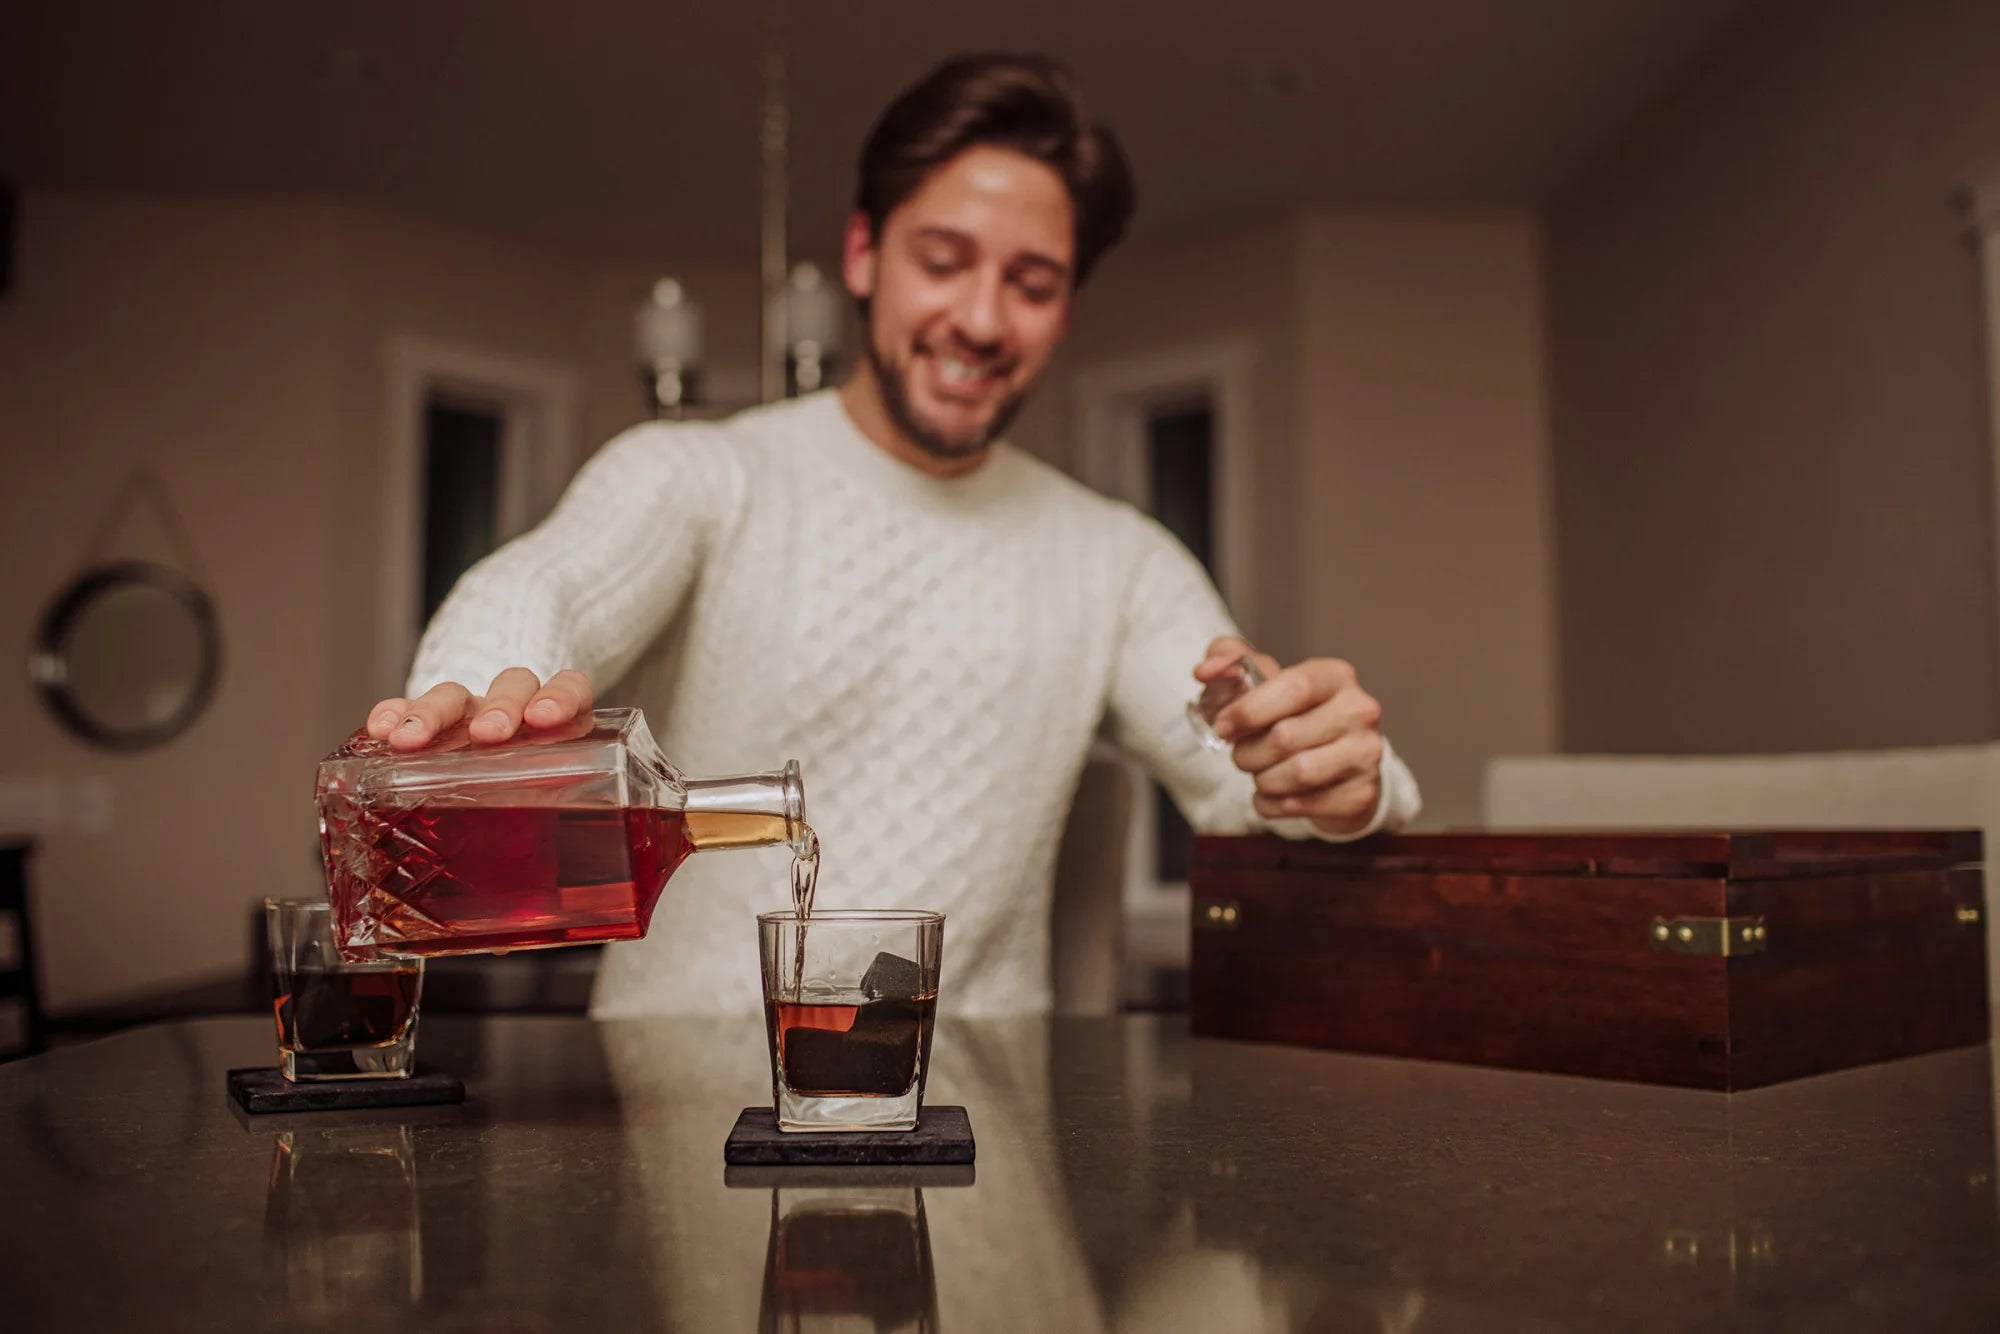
[844,1257]
[1128,1178]
[342,1219]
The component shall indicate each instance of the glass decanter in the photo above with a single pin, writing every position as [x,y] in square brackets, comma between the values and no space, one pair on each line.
[557,837]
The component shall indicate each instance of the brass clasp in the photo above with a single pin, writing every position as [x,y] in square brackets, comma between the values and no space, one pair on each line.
[1215,915]
[1709,937]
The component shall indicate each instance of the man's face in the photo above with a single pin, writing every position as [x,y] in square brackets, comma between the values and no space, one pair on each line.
[969,293]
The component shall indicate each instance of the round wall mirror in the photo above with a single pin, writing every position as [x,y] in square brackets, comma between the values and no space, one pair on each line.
[128,655]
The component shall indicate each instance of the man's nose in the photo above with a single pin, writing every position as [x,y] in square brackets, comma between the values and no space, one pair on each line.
[980,316]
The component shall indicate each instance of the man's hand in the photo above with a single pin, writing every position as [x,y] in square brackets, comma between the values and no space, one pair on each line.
[1310,736]
[517,696]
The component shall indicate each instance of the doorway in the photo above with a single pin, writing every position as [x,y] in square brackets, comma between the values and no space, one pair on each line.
[1180,449]
[1171,432]
[479,447]
[461,506]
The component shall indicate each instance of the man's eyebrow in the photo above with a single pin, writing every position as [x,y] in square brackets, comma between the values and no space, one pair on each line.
[1034,259]
[1031,258]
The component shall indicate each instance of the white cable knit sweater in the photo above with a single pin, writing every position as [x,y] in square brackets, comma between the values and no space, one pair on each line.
[937,654]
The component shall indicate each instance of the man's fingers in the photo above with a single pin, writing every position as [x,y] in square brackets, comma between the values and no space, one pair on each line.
[515,696]
[1311,738]
[1346,808]
[1354,754]
[1218,657]
[498,715]
[382,719]
[430,713]
[1288,736]
[566,695]
[1294,690]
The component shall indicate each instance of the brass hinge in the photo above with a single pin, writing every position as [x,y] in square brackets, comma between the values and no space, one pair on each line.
[1967,914]
[1712,937]
[1215,915]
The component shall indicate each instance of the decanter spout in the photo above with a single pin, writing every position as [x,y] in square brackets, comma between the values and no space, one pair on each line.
[747,811]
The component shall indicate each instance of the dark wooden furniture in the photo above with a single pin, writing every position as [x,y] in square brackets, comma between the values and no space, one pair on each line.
[1709,960]
[20,984]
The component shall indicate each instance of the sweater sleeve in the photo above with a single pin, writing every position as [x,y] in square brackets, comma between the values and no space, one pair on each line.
[594,583]
[1170,613]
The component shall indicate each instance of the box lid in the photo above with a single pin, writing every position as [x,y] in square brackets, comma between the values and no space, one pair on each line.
[1717,854]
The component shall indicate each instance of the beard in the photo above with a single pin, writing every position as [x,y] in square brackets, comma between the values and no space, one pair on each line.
[925,435]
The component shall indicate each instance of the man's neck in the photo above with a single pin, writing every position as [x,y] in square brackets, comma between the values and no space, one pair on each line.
[861,398]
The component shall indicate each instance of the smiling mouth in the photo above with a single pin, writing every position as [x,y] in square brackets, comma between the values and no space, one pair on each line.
[961,377]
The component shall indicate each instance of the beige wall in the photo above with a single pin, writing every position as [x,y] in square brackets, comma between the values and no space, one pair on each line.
[192,338]
[239,349]
[1400,459]
[1149,301]
[1776,507]
[1425,452]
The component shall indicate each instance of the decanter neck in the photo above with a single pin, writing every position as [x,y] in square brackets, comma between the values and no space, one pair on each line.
[747,810]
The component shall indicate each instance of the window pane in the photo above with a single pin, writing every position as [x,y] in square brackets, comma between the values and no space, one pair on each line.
[1181,448]
[1183,472]
[461,494]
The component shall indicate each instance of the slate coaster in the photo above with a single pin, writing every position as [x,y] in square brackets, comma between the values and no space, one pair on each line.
[943,1135]
[882,1176]
[265,1089]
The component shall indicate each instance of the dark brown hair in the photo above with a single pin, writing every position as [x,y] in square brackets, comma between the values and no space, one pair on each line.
[1027,103]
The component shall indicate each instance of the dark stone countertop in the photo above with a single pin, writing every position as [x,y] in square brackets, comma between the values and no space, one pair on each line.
[1129,1178]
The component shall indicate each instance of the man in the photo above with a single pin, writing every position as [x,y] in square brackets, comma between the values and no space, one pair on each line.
[934,623]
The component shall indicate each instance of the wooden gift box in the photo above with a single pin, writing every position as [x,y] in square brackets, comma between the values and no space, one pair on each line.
[1708,960]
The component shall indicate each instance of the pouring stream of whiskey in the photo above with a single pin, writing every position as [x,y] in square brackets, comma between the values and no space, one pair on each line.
[805,875]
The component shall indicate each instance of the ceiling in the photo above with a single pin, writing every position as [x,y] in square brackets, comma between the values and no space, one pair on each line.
[620,129]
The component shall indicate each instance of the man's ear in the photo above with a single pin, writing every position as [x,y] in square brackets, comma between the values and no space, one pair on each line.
[857,259]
